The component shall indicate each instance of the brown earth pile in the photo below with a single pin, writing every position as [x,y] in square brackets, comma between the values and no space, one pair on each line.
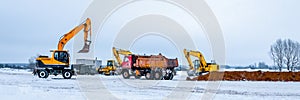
[248,76]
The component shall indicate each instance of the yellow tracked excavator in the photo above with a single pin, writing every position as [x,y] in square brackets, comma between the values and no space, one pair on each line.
[198,66]
[59,62]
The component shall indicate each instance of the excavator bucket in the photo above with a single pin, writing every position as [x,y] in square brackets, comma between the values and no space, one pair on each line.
[86,47]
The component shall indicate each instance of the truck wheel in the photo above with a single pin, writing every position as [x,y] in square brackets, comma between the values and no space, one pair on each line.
[43,74]
[168,76]
[67,74]
[157,75]
[148,76]
[125,74]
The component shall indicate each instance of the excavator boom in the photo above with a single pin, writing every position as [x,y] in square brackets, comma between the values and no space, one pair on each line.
[187,56]
[200,66]
[86,26]
[196,54]
[118,52]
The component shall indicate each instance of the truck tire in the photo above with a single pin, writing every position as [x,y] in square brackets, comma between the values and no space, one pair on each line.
[67,74]
[43,74]
[157,75]
[125,74]
[168,76]
[148,76]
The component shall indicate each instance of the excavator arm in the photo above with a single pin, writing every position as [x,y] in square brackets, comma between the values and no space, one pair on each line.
[188,58]
[118,52]
[196,54]
[86,26]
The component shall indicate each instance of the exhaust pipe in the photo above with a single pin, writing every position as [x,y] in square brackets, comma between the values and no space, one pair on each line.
[86,47]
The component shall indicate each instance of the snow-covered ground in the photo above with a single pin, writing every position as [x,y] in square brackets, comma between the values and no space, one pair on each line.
[16,85]
[14,71]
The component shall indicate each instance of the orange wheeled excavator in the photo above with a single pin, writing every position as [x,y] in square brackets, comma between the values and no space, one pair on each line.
[59,62]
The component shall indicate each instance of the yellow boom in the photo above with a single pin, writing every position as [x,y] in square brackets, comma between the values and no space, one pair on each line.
[203,66]
[118,52]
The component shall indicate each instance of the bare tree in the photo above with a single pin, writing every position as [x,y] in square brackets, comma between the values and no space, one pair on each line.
[291,50]
[286,52]
[288,46]
[295,56]
[277,53]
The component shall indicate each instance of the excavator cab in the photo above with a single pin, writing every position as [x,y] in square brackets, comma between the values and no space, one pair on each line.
[196,64]
[61,56]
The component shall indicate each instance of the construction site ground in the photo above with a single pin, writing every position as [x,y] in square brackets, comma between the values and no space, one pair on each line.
[23,85]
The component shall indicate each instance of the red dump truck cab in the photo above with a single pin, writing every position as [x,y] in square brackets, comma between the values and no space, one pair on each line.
[127,62]
[151,66]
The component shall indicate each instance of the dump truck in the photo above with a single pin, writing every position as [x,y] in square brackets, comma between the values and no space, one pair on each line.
[59,62]
[156,67]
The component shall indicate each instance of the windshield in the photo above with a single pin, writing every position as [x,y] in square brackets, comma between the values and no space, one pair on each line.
[126,59]
[109,63]
[196,64]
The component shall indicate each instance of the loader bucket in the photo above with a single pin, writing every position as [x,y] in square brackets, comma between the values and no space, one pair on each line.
[86,47]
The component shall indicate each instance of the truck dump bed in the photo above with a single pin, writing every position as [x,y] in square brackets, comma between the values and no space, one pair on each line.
[154,61]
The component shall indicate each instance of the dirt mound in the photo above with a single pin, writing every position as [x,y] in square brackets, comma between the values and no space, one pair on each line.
[248,76]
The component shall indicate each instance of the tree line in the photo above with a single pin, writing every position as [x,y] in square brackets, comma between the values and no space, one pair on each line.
[285,53]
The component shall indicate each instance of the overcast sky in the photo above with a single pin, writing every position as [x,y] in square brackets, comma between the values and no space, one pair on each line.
[30,27]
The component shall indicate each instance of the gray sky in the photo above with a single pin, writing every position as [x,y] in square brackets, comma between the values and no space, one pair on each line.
[249,26]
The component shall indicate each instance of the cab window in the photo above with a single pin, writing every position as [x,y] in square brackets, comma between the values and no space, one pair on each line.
[126,59]
[62,57]
[109,63]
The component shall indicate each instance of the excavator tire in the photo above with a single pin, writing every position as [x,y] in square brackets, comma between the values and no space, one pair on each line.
[67,74]
[43,74]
